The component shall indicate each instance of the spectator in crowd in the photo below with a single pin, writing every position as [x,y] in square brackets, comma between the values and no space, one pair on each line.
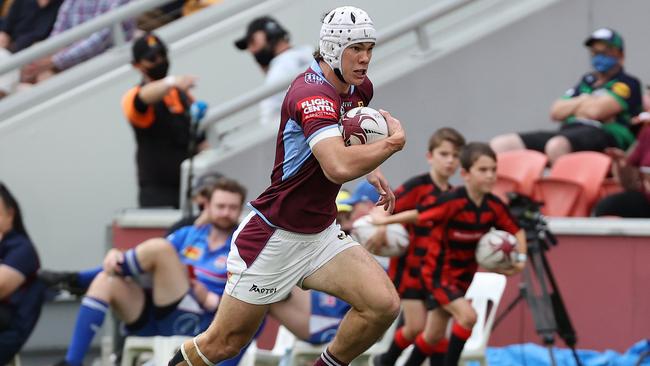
[192,6]
[157,109]
[200,197]
[269,43]
[595,114]
[633,173]
[21,295]
[362,201]
[71,14]
[28,22]
[343,210]
[5,5]
[187,273]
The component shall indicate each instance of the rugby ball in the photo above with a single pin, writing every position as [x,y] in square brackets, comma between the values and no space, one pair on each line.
[496,250]
[396,236]
[363,125]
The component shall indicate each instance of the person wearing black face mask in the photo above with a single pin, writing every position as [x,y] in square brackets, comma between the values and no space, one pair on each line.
[157,109]
[595,114]
[269,44]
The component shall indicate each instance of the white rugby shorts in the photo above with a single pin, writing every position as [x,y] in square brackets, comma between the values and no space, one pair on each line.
[266,262]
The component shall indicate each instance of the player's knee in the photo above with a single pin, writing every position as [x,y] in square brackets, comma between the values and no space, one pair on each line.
[432,336]
[387,306]
[467,319]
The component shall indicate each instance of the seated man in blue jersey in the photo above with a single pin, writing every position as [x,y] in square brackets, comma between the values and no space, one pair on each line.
[166,286]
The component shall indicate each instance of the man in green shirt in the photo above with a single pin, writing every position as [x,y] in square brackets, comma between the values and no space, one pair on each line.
[593,115]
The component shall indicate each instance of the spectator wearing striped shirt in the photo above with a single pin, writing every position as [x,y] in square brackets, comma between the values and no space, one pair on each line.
[71,14]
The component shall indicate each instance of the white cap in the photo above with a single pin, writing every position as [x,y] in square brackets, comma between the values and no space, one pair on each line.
[342,27]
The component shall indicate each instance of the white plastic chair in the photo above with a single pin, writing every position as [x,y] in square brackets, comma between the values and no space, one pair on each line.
[485,292]
[303,352]
[163,348]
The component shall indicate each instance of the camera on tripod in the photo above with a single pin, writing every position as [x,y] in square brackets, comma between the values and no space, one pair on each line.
[529,216]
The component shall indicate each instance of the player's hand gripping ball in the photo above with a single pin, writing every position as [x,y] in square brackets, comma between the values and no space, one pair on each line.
[363,125]
[496,250]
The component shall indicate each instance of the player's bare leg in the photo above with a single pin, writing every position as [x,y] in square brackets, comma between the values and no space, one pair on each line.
[415,318]
[464,320]
[431,342]
[355,277]
[232,328]
[294,313]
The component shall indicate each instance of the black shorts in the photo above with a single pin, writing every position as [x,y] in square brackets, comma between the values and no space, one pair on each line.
[624,204]
[581,137]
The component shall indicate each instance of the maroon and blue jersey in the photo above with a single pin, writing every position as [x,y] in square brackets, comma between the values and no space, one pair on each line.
[300,198]
[208,266]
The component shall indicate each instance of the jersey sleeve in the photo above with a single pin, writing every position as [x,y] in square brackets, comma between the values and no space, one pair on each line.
[504,220]
[575,91]
[178,237]
[407,197]
[627,93]
[317,110]
[136,111]
[22,257]
[434,213]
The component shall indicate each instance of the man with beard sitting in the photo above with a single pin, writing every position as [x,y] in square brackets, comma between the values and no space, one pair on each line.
[164,286]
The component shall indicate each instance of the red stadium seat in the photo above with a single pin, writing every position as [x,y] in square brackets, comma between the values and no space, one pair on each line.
[573,185]
[610,186]
[517,171]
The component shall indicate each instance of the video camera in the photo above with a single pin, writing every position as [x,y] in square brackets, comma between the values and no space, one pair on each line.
[529,217]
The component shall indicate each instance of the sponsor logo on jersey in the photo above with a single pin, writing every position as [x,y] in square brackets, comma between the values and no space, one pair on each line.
[621,89]
[464,235]
[192,252]
[317,107]
[313,79]
[262,290]
[220,262]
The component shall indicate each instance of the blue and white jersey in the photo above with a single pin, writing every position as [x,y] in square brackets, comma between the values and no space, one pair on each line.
[208,266]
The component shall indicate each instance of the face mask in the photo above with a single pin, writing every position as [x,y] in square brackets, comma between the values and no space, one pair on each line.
[603,63]
[158,71]
[264,56]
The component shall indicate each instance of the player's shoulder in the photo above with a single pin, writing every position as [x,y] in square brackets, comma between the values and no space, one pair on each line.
[458,194]
[417,181]
[495,202]
[366,89]
[312,86]
[623,76]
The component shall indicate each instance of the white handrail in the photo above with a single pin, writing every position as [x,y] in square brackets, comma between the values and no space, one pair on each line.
[70,36]
[414,23]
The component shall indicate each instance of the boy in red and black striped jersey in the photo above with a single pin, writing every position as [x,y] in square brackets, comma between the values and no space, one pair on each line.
[460,217]
[442,155]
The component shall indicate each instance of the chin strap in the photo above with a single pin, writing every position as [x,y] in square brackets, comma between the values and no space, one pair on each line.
[338,74]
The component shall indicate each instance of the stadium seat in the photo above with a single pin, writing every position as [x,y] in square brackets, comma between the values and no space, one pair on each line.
[304,353]
[485,293]
[610,186]
[163,348]
[517,171]
[573,185]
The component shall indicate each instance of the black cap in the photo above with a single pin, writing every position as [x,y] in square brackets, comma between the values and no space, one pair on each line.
[607,35]
[270,26]
[206,180]
[147,46]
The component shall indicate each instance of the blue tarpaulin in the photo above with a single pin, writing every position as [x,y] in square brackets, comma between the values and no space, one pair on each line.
[530,354]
